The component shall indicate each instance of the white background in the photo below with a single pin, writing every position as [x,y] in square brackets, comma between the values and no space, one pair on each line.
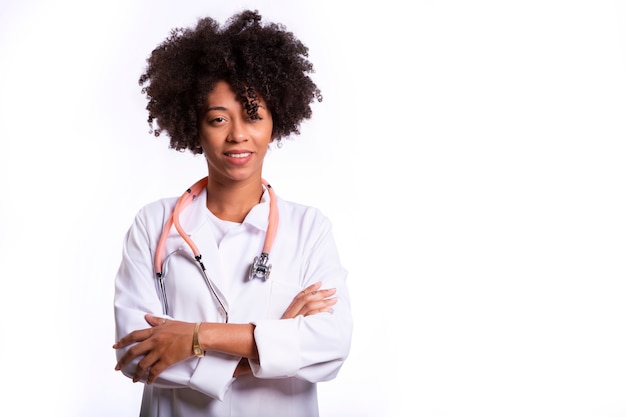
[470,154]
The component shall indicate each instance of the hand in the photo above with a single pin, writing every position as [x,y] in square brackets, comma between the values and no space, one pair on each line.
[243,368]
[165,343]
[310,301]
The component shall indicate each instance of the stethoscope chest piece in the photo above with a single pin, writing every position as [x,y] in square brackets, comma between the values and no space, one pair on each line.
[260,268]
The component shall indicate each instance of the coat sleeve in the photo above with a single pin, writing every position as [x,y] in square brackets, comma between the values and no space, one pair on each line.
[311,348]
[136,295]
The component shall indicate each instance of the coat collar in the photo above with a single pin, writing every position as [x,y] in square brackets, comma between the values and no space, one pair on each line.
[195,215]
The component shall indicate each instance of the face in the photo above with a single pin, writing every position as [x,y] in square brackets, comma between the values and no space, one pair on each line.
[233,143]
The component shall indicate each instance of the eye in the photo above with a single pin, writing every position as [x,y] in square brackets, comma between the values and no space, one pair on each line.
[217,120]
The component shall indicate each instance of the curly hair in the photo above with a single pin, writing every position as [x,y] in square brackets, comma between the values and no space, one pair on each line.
[255,59]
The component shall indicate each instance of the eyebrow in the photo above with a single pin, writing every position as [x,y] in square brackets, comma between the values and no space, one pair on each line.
[217,108]
[222,108]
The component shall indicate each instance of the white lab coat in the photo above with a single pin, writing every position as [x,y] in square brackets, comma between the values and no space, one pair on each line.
[294,354]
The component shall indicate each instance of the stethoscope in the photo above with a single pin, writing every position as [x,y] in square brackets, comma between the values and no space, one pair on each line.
[260,267]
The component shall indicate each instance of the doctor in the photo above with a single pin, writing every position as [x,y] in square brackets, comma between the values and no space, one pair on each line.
[224,342]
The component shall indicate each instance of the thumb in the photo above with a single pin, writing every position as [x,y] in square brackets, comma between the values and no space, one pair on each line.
[154,320]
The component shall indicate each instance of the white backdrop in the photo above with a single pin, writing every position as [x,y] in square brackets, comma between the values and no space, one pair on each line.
[469,153]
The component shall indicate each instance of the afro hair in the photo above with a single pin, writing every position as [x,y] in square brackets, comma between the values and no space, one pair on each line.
[256,59]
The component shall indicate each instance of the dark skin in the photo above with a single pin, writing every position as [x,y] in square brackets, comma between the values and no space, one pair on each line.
[234,145]
[168,342]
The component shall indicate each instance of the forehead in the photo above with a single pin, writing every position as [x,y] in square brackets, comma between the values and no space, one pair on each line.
[222,92]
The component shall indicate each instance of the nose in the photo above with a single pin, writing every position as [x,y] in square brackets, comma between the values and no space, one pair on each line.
[237,133]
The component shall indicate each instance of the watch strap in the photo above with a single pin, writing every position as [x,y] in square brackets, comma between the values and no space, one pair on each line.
[196,348]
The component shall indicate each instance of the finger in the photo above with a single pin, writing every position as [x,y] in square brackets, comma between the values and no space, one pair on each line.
[314,307]
[155,371]
[135,351]
[132,337]
[309,294]
[311,288]
[318,295]
[326,293]
[318,307]
[154,320]
[144,365]
[320,310]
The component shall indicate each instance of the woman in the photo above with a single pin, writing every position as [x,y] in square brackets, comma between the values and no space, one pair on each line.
[207,333]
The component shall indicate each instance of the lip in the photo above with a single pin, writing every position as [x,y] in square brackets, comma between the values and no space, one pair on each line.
[238,156]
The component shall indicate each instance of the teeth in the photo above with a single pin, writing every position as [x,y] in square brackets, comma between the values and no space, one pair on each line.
[238,155]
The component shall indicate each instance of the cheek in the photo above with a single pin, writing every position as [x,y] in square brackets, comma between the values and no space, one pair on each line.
[268,132]
[208,138]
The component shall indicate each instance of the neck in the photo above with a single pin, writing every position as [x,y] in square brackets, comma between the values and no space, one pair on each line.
[233,202]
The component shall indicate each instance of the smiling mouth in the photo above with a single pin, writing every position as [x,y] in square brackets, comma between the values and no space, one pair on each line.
[239,155]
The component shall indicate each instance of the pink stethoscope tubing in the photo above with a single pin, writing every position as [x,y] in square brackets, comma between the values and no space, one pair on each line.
[259,269]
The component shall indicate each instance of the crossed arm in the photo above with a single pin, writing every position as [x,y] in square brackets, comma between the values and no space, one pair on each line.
[168,342]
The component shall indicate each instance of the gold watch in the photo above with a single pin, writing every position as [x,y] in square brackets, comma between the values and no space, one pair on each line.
[197,349]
